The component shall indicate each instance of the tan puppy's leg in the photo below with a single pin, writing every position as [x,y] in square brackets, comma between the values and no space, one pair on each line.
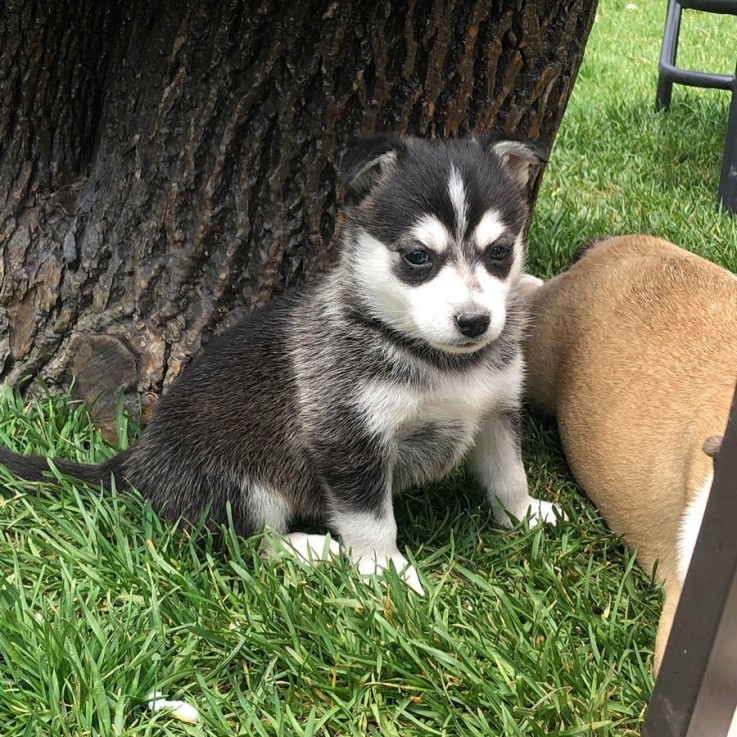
[687,535]
[672,595]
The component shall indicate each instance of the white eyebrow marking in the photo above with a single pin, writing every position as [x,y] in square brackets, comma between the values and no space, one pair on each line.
[430,231]
[489,229]
[457,193]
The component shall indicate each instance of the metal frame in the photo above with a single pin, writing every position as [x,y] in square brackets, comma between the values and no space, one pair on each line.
[695,694]
[669,73]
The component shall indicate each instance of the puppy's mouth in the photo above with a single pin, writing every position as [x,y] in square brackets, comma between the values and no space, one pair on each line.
[463,345]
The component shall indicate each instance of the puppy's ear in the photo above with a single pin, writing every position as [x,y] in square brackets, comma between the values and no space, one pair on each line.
[520,157]
[365,163]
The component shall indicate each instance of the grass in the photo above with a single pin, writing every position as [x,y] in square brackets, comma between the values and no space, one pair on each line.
[523,632]
[617,167]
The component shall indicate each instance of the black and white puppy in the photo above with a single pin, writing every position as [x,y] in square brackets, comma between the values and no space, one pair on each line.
[384,375]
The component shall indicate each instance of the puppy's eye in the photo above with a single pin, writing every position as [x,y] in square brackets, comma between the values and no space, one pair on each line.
[498,252]
[418,257]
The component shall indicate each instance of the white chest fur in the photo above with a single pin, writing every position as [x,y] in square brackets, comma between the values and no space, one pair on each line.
[431,427]
[446,400]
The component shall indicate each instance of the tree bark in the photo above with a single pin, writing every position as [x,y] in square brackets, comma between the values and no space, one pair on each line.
[168,165]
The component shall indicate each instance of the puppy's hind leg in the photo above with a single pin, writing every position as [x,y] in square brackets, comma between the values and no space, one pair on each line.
[670,604]
[267,508]
[270,511]
[312,549]
[496,462]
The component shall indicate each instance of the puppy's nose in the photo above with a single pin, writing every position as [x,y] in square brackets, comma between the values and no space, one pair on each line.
[472,324]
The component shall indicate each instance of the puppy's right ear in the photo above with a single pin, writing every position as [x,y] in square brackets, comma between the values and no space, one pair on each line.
[365,163]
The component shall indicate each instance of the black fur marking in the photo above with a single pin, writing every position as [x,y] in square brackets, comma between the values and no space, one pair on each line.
[497,354]
[499,268]
[512,419]
[583,248]
[419,186]
[413,275]
[427,452]
[350,463]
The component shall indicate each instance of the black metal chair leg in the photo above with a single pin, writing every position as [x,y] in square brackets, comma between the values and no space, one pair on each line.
[668,52]
[728,179]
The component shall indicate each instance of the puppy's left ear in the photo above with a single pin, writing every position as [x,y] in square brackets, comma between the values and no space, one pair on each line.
[366,161]
[520,157]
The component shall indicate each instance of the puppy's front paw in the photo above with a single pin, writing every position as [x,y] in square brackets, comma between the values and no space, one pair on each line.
[543,511]
[535,511]
[311,549]
[369,565]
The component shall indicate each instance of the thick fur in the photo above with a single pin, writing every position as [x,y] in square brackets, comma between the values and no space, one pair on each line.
[323,404]
[634,349]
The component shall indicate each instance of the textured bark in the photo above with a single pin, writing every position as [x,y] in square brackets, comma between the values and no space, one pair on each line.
[167,165]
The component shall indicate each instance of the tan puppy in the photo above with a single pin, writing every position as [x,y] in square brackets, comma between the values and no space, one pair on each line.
[634,349]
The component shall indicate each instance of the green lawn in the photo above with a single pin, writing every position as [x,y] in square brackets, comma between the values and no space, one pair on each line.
[542,632]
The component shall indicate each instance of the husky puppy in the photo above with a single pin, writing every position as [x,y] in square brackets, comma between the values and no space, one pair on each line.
[384,375]
[634,349]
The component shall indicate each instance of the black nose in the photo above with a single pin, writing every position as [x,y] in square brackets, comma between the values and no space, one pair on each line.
[472,324]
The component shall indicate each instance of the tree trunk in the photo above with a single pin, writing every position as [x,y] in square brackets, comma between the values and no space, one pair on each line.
[167,165]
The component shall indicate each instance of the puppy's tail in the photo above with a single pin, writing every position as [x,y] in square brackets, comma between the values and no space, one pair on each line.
[36,468]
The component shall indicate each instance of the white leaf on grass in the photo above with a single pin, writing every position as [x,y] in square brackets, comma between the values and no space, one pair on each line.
[180,710]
